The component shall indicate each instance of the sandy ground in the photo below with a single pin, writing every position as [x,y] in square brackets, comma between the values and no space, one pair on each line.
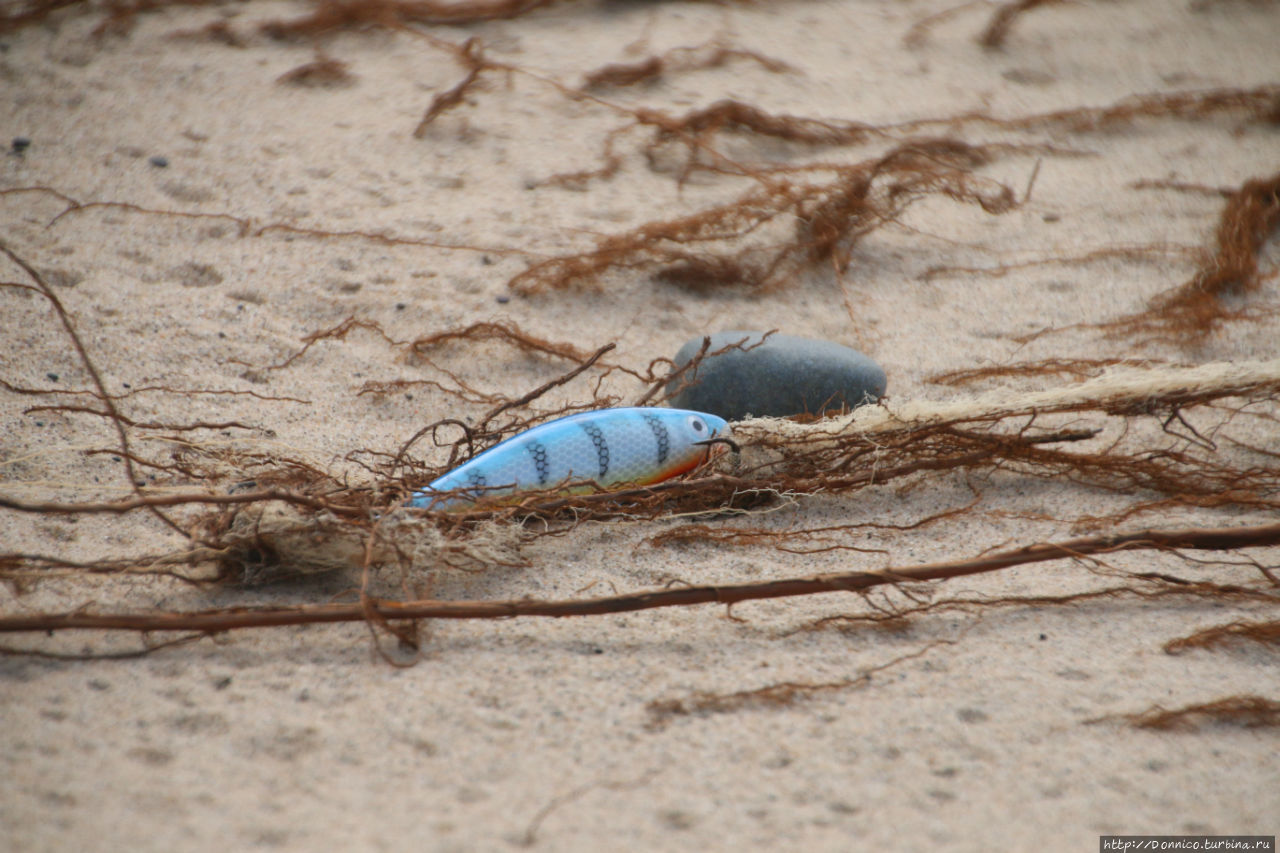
[542,732]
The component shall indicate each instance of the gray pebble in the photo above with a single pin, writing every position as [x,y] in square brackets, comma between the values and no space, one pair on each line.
[785,375]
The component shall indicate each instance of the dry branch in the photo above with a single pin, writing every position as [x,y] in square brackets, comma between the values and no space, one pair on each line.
[1212,539]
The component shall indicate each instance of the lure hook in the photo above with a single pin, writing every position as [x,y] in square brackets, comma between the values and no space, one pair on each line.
[733,445]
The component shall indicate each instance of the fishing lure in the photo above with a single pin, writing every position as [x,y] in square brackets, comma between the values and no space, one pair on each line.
[607,446]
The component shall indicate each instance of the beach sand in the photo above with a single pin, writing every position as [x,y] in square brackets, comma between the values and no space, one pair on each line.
[280,208]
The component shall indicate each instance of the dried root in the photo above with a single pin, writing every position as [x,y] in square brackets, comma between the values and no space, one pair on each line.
[1227,274]
[1232,633]
[1250,712]
[710,248]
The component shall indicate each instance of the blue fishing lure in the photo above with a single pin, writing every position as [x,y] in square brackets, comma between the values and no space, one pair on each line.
[606,446]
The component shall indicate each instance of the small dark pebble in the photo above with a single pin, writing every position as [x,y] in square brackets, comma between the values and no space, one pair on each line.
[486,260]
[158,161]
[39,423]
[786,375]
[502,298]
[20,144]
[53,377]
[1044,637]
[400,306]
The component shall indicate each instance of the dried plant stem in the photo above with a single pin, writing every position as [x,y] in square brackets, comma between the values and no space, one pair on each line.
[1119,391]
[1211,539]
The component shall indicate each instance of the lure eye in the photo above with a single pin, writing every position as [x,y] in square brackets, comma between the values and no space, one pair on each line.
[697,424]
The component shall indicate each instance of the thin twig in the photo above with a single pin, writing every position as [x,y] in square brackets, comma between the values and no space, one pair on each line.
[117,419]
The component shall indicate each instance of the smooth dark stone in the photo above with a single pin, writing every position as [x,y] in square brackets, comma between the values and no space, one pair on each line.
[786,375]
